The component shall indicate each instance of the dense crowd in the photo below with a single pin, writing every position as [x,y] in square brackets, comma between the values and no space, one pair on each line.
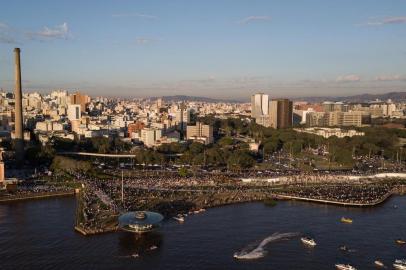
[359,194]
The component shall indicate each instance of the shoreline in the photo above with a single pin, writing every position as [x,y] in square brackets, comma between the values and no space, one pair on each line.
[315,176]
[337,203]
[93,232]
[34,196]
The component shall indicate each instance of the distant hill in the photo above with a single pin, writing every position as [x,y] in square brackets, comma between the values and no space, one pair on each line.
[395,96]
[178,98]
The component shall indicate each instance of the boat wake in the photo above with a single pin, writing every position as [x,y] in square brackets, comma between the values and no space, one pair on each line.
[256,251]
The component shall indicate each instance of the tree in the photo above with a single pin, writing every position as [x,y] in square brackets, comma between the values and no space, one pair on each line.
[62,164]
[196,148]
[183,172]
[271,146]
[240,160]
[225,141]
[101,144]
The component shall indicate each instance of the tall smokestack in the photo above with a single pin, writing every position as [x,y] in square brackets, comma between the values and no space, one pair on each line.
[19,136]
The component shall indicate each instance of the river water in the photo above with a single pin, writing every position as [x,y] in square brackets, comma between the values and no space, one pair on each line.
[39,235]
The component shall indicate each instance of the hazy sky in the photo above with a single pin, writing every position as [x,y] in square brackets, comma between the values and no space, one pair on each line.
[214,48]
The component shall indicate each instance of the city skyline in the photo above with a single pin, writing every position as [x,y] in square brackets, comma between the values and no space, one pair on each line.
[155,134]
[226,49]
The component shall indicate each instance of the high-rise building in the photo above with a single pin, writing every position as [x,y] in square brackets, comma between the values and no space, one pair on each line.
[74,116]
[149,136]
[259,105]
[159,103]
[281,113]
[328,106]
[200,132]
[80,99]
[182,118]
[74,112]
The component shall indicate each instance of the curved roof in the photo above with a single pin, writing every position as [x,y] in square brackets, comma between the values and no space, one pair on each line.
[140,218]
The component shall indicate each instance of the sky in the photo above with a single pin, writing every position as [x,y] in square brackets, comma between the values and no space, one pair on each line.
[225,49]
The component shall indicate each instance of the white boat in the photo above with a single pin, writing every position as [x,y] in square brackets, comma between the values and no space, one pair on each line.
[345,267]
[135,255]
[308,241]
[379,263]
[400,264]
[153,247]
[179,219]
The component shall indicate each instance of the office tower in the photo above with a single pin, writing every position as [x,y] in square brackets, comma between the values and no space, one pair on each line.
[19,136]
[182,117]
[80,99]
[259,105]
[281,113]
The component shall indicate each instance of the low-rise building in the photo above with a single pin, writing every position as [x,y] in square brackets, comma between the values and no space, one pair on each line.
[329,132]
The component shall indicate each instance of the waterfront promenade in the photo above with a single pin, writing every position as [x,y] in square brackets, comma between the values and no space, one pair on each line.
[33,196]
[352,204]
[173,195]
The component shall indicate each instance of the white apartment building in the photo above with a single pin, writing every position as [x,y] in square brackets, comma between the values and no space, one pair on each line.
[150,136]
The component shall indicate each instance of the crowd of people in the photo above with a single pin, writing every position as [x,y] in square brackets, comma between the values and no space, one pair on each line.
[32,188]
[367,194]
[171,195]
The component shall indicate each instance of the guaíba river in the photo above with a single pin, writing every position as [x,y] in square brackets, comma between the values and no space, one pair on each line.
[39,234]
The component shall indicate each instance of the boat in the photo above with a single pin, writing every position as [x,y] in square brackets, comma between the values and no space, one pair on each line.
[136,255]
[343,248]
[308,241]
[400,264]
[346,220]
[153,247]
[400,241]
[379,263]
[179,219]
[345,267]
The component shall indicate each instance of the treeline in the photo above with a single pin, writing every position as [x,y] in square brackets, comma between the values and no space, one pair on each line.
[37,153]
[378,141]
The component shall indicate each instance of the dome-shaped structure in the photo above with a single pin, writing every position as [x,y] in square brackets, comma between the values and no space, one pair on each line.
[139,221]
